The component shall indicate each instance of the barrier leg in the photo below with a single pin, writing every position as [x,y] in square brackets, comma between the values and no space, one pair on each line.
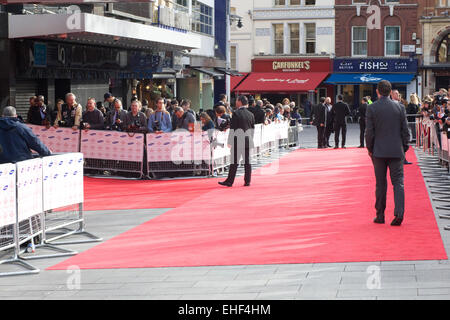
[16,260]
[78,232]
[61,252]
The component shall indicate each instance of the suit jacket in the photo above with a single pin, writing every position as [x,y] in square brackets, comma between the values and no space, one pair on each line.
[387,134]
[362,112]
[330,119]
[340,111]
[260,115]
[319,114]
[243,121]
[110,117]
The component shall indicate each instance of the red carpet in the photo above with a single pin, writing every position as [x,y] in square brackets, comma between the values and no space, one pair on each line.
[318,207]
[110,194]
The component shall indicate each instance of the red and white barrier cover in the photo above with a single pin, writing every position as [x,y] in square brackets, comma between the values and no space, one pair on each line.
[221,149]
[7,194]
[61,140]
[29,188]
[445,142]
[178,147]
[112,145]
[257,135]
[62,180]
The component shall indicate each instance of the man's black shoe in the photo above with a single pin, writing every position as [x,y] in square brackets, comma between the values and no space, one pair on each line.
[407,162]
[361,147]
[336,147]
[247,185]
[397,222]
[379,220]
[225,184]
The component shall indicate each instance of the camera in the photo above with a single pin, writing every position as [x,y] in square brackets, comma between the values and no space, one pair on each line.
[156,126]
[439,100]
[116,127]
[224,124]
[61,123]
[83,125]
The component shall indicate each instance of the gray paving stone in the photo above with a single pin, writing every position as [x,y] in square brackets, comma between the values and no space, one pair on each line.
[233,283]
[240,296]
[377,293]
[434,291]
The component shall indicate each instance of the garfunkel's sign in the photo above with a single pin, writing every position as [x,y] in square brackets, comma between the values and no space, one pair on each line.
[292,65]
[375,65]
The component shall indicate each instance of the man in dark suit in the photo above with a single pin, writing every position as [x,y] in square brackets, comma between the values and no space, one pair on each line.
[329,129]
[340,112]
[240,140]
[258,112]
[319,119]
[387,138]
[362,120]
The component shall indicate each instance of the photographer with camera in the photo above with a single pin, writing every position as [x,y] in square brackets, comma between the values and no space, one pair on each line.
[185,119]
[160,120]
[135,120]
[39,114]
[222,120]
[92,117]
[115,119]
[70,115]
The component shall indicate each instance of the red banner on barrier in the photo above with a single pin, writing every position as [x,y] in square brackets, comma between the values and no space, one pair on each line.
[112,145]
[61,140]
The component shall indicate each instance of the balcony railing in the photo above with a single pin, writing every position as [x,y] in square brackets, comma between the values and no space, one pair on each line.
[176,19]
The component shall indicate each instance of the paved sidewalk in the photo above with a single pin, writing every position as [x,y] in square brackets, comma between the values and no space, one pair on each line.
[397,280]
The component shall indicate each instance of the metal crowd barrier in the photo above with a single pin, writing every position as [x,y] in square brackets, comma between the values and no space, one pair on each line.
[40,197]
[113,151]
[435,164]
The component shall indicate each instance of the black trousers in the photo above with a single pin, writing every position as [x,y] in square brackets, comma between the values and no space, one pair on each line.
[321,136]
[328,131]
[239,152]
[362,128]
[395,166]
[338,127]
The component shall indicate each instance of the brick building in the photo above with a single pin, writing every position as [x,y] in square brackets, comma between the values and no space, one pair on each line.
[375,40]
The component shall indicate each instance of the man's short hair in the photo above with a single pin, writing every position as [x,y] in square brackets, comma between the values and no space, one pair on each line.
[71,94]
[243,100]
[323,99]
[220,110]
[259,103]
[340,97]
[9,112]
[40,98]
[384,88]
[185,103]
[178,109]
[222,96]
[365,99]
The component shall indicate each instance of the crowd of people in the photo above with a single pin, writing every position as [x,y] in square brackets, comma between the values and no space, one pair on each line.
[169,115]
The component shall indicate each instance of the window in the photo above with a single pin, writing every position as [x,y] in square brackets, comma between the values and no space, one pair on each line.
[278,32]
[359,41]
[182,3]
[444,3]
[310,29]
[392,41]
[310,2]
[443,53]
[202,18]
[295,2]
[233,55]
[280,2]
[294,29]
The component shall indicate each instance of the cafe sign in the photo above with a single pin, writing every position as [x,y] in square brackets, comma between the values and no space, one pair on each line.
[292,65]
[375,65]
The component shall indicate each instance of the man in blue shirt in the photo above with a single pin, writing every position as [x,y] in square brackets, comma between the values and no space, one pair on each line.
[16,139]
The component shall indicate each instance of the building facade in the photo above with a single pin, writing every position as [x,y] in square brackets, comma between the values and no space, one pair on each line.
[435,33]
[158,48]
[375,40]
[290,33]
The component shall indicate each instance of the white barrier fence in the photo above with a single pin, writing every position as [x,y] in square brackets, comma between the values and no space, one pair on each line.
[40,196]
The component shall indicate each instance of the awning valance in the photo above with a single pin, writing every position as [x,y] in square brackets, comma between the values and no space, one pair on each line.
[371,78]
[281,82]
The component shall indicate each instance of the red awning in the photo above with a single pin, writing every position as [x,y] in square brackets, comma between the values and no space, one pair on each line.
[234,80]
[281,82]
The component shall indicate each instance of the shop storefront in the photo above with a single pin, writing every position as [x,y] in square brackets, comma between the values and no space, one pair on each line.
[295,79]
[358,78]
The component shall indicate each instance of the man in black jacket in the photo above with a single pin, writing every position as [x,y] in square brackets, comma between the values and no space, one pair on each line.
[387,138]
[319,119]
[340,112]
[258,112]
[329,126]
[39,114]
[240,140]
[362,120]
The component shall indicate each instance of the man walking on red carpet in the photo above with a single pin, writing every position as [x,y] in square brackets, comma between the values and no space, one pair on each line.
[387,138]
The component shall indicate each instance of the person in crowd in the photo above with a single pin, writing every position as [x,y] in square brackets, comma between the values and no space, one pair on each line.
[251,103]
[329,126]
[369,100]
[269,115]
[173,105]
[71,113]
[340,112]
[17,139]
[411,110]
[319,118]
[39,114]
[135,120]
[296,118]
[115,119]
[109,101]
[387,139]
[285,103]
[92,118]
[258,112]
[286,112]
[101,108]
[57,110]
[160,120]
[396,97]
[185,119]
[240,140]
[306,105]
[362,120]
[222,120]
[207,123]
[278,113]
[144,105]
